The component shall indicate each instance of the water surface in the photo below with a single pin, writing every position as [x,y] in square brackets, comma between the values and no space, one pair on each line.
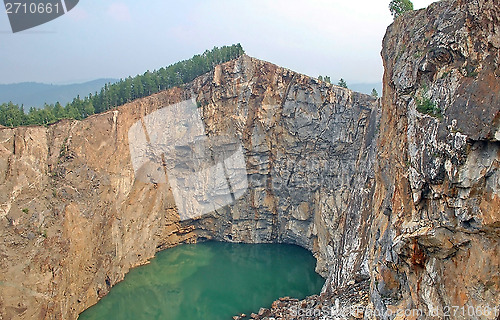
[210,280]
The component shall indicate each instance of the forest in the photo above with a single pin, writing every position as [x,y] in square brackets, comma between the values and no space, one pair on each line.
[121,92]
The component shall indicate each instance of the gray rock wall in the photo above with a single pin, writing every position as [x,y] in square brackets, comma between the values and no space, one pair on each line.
[310,149]
[438,159]
[86,201]
[397,198]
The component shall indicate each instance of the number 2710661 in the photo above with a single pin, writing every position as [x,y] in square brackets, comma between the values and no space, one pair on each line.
[32,8]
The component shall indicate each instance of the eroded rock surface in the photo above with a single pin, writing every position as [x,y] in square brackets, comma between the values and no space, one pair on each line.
[75,219]
[435,237]
[399,204]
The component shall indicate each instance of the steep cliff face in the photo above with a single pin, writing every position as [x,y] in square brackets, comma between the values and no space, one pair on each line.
[309,149]
[74,219]
[399,204]
[77,215]
[435,238]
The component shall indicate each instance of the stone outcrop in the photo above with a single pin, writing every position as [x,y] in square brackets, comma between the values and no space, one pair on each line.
[397,198]
[434,244]
[75,219]
[435,237]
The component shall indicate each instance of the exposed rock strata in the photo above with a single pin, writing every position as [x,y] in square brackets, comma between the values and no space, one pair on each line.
[435,237]
[434,249]
[75,219]
[401,212]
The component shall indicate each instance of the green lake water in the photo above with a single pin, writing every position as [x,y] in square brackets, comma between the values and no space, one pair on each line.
[210,281]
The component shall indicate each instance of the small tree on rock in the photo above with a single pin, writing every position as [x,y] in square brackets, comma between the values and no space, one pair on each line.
[325,79]
[342,83]
[398,7]
[374,93]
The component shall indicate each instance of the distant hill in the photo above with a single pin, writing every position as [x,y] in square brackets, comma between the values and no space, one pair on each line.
[33,94]
[112,95]
[366,87]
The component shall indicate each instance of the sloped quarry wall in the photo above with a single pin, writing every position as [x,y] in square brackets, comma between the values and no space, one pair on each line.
[75,218]
[397,198]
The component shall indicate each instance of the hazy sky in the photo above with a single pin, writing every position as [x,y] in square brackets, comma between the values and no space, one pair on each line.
[114,39]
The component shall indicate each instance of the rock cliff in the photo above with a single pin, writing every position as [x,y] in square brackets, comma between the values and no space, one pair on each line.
[435,237]
[77,215]
[397,198]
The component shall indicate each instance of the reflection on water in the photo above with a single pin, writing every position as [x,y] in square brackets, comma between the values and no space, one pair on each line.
[210,281]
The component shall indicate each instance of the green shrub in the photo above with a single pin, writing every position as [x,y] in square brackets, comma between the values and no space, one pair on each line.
[398,7]
[471,71]
[426,106]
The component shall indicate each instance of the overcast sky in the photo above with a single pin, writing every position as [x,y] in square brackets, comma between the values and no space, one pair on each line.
[115,39]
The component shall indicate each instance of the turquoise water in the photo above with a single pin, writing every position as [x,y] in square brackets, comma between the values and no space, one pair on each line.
[210,281]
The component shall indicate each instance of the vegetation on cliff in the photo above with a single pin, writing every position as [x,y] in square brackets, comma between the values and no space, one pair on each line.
[398,7]
[125,90]
[327,79]
[342,83]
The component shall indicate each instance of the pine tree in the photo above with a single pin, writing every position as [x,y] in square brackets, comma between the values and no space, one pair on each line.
[342,83]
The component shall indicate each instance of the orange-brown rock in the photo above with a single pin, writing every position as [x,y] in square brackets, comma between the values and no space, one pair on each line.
[75,218]
[399,204]
[437,216]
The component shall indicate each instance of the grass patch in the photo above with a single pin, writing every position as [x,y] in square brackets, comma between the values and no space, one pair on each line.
[470,71]
[401,52]
[418,54]
[426,106]
[445,75]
